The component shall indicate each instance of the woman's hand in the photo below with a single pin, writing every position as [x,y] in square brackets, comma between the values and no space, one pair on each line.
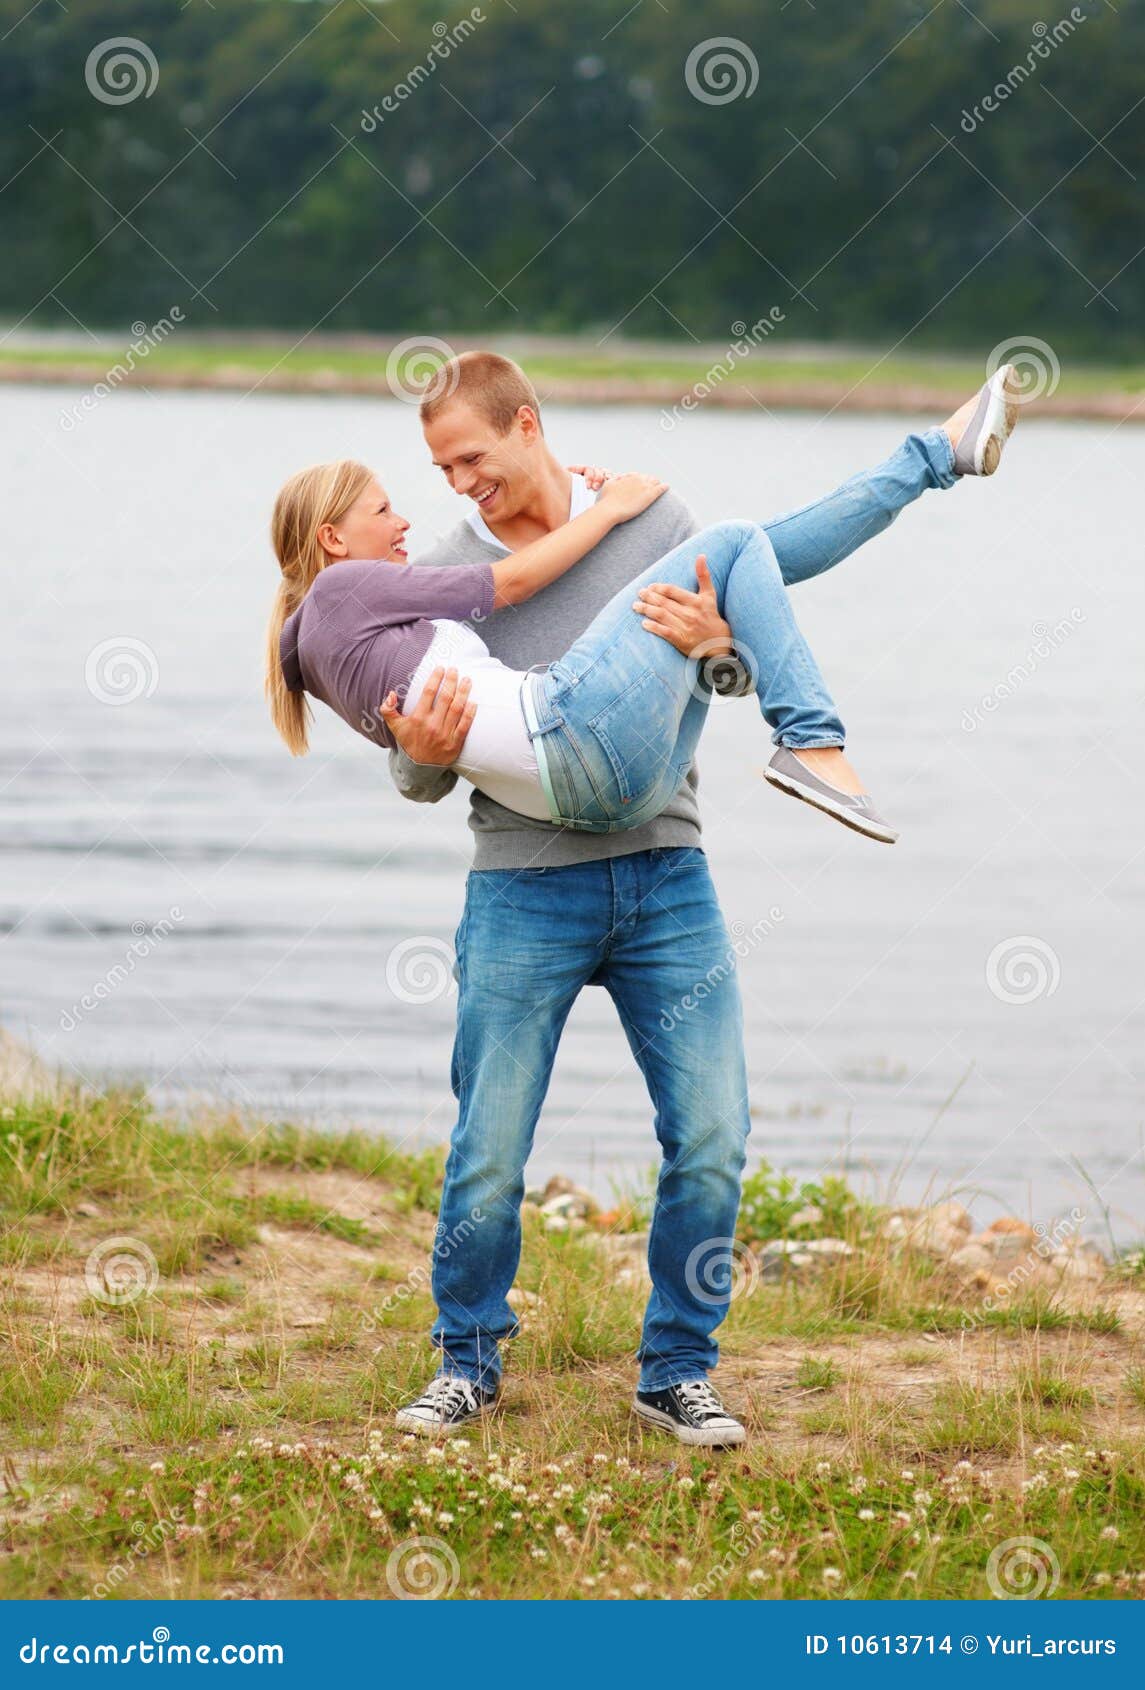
[689,621]
[435,729]
[625,496]
[594,476]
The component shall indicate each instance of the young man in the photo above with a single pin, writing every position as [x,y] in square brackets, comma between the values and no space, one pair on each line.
[548,912]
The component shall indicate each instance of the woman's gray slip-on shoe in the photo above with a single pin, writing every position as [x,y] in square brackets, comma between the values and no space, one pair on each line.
[979,448]
[852,809]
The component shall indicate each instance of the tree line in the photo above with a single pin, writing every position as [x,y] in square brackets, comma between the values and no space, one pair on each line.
[900,170]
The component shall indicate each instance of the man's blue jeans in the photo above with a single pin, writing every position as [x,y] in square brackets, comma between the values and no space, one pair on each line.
[648,928]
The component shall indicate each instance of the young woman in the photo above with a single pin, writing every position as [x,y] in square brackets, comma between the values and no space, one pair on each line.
[601,739]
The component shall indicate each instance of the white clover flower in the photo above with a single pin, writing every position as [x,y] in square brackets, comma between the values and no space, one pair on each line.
[866,1513]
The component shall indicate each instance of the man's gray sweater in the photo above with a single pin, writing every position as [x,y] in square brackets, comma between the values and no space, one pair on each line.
[540,631]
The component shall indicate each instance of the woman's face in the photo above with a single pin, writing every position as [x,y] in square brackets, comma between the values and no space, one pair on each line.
[371,528]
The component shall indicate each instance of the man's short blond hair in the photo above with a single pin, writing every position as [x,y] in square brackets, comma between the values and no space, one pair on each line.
[494,386]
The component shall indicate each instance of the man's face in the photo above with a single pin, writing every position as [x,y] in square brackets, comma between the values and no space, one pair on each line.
[497,471]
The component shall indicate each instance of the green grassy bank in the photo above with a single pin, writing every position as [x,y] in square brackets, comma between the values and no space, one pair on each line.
[205,1333]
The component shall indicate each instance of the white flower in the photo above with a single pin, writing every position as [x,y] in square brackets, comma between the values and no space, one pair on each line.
[1111,1533]
[756,1576]
[831,1575]
[866,1513]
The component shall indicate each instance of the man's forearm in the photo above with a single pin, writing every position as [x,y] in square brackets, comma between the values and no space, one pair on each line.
[421,783]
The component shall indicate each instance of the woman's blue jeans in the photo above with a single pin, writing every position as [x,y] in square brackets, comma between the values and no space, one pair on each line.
[616,720]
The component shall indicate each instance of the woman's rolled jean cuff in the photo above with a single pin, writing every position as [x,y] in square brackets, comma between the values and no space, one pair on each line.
[801,742]
[941,455]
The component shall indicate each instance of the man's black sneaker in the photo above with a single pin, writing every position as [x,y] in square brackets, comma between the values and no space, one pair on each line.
[447,1401]
[692,1411]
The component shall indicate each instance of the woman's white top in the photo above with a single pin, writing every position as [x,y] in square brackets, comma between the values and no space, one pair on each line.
[498,754]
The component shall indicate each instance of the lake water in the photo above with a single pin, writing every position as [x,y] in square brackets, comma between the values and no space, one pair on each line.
[962,1013]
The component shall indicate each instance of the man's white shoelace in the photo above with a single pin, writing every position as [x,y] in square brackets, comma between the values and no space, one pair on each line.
[702,1400]
[446,1394]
